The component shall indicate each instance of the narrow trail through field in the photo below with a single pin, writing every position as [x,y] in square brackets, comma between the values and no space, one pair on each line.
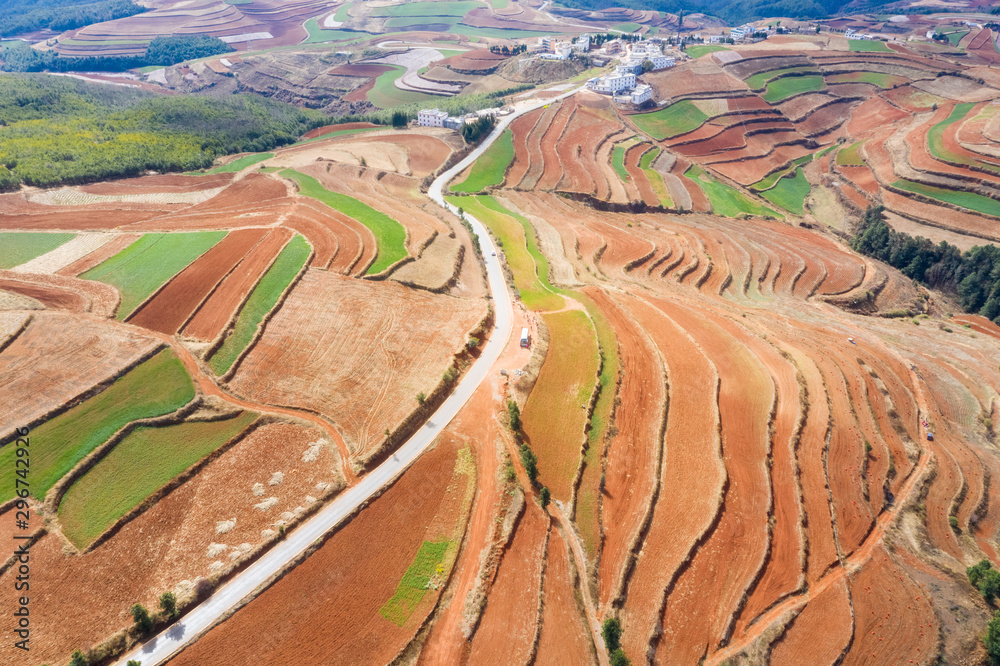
[853,562]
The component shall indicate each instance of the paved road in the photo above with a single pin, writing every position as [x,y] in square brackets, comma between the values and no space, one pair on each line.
[166,644]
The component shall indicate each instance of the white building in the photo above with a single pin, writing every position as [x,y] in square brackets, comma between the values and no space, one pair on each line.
[560,51]
[582,43]
[641,93]
[662,62]
[610,84]
[431,118]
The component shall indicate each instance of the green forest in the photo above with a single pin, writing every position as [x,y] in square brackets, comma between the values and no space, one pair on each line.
[974,276]
[64,131]
[161,51]
[19,16]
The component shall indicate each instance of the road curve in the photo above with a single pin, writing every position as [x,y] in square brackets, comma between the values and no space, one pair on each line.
[205,615]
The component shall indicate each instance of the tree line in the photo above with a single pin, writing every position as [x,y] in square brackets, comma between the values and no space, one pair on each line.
[973,276]
[163,51]
[20,16]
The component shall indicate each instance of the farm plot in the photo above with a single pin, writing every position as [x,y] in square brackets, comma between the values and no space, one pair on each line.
[868,46]
[139,465]
[725,200]
[490,168]
[156,387]
[142,267]
[790,193]
[390,235]
[22,247]
[328,609]
[555,414]
[676,119]
[968,200]
[788,86]
[262,300]
[359,366]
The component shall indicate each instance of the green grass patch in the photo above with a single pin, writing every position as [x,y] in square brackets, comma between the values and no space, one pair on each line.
[490,168]
[499,4]
[868,46]
[515,233]
[726,201]
[772,179]
[935,140]
[426,565]
[626,27]
[784,88]
[320,35]
[618,161]
[386,95]
[955,37]
[19,247]
[825,151]
[331,135]
[145,265]
[790,192]
[875,78]
[850,156]
[498,33]
[241,163]
[459,9]
[757,81]
[969,200]
[261,301]
[406,22]
[156,387]
[343,12]
[138,466]
[149,68]
[699,50]
[390,236]
[654,177]
[671,121]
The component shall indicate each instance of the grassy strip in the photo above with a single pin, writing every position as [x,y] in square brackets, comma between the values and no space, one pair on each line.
[699,50]
[655,178]
[158,386]
[969,200]
[386,95]
[321,35]
[346,132]
[517,237]
[490,168]
[241,163]
[784,88]
[850,156]
[790,193]
[145,265]
[499,33]
[757,81]
[868,46]
[20,247]
[825,151]
[390,235]
[618,160]
[626,27]
[675,119]
[436,9]
[725,200]
[955,37]
[138,466]
[875,78]
[407,22]
[415,582]
[499,4]
[935,140]
[261,301]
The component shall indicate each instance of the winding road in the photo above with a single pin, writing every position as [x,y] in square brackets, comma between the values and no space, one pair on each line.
[258,575]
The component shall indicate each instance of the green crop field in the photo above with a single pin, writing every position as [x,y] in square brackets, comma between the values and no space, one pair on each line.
[784,88]
[406,22]
[520,248]
[261,301]
[790,193]
[970,200]
[654,177]
[332,135]
[386,95]
[675,119]
[497,33]
[145,265]
[427,9]
[955,37]
[241,163]
[411,589]
[757,81]
[850,156]
[935,140]
[319,35]
[499,4]
[726,201]
[17,248]
[618,160]
[771,180]
[390,236]
[138,466]
[626,27]
[875,78]
[868,45]
[699,50]
[156,387]
[490,168]
[825,151]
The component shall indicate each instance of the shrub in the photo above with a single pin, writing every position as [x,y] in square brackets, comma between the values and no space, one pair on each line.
[992,639]
[450,375]
[78,659]
[514,415]
[134,662]
[530,462]
[953,521]
[544,496]
[975,572]
[611,630]
[989,585]
[168,604]
[472,343]
[421,397]
[618,658]
[143,622]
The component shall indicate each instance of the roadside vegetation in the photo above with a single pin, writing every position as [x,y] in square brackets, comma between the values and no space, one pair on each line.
[21,247]
[139,465]
[262,300]
[145,265]
[490,168]
[390,236]
[156,387]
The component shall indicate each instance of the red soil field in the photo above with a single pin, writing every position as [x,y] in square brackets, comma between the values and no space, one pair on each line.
[340,243]
[479,60]
[215,313]
[564,637]
[522,156]
[326,610]
[173,305]
[359,367]
[158,184]
[57,358]
[633,454]
[534,144]
[592,124]
[52,297]
[98,299]
[100,255]
[507,629]
[820,633]
[638,176]
[873,113]
[256,200]
[553,167]
[622,246]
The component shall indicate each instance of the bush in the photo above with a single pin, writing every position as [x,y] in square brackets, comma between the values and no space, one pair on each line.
[478,129]
[953,521]
[168,604]
[143,622]
[400,119]
[78,659]
[975,572]
[618,658]
[514,416]
[421,397]
[530,462]
[544,496]
[450,375]
[989,585]
[611,630]
[992,639]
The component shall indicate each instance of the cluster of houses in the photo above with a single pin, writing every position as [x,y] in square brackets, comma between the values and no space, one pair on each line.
[850,34]
[622,83]
[439,118]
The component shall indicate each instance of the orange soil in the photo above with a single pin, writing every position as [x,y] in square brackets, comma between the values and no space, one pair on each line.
[553,169]
[820,633]
[50,296]
[522,156]
[564,637]
[100,255]
[638,176]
